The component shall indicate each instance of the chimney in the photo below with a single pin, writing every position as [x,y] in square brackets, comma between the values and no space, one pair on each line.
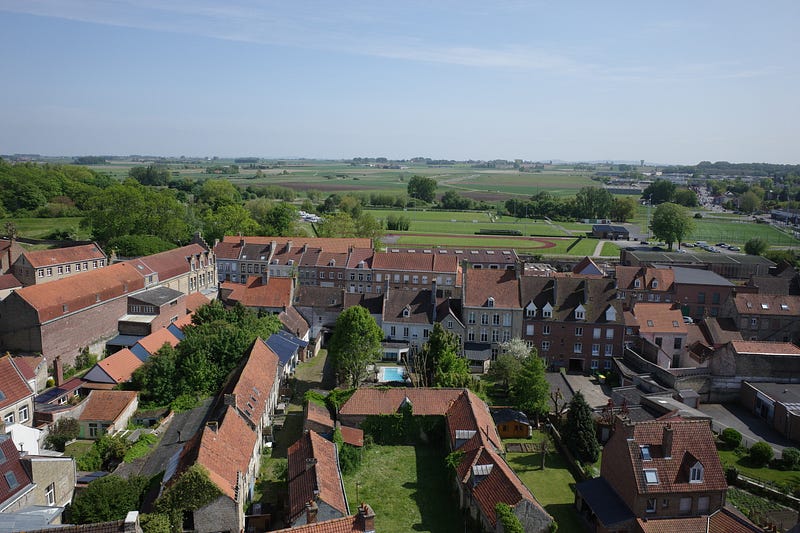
[58,370]
[310,463]
[305,247]
[131,523]
[213,425]
[288,246]
[367,518]
[229,399]
[666,441]
[311,512]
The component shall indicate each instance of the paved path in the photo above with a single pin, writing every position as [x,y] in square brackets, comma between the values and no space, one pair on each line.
[752,428]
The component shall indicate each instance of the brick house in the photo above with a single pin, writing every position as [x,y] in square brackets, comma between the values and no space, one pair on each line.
[361,522]
[752,361]
[766,317]
[151,310]
[54,479]
[106,412]
[644,284]
[776,403]
[231,443]
[409,316]
[259,293]
[654,470]
[491,311]
[417,271]
[41,266]
[662,332]
[188,269]
[574,322]
[16,395]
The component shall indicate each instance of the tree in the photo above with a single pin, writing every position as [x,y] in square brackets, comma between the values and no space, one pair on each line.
[593,202]
[367,226]
[760,453]
[686,198]
[228,220]
[505,368]
[451,370]
[216,193]
[138,245]
[356,342]
[579,432]
[660,191]
[623,208]
[453,200]
[422,188]
[397,222]
[749,202]
[63,431]
[755,246]
[671,223]
[731,438]
[150,175]
[529,390]
[425,363]
[337,225]
[108,498]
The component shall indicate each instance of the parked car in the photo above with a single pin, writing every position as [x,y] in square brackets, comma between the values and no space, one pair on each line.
[735,249]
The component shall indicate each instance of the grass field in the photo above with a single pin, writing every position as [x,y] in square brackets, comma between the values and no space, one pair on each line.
[712,231]
[38,228]
[553,486]
[467,223]
[766,475]
[610,250]
[408,488]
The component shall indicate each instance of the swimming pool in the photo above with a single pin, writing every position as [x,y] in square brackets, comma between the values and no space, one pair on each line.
[390,373]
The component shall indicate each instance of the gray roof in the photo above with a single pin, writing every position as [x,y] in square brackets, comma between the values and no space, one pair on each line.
[604,502]
[785,393]
[696,276]
[649,256]
[158,296]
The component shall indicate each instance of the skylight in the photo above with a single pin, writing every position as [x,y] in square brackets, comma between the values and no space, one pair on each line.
[764,306]
[674,323]
[651,476]
[650,324]
[784,307]
[646,453]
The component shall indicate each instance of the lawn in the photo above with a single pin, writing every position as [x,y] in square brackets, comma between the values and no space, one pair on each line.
[39,228]
[712,231]
[467,222]
[408,488]
[78,448]
[782,478]
[610,250]
[520,244]
[553,487]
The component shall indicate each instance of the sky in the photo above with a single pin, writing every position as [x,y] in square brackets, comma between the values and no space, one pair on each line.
[668,82]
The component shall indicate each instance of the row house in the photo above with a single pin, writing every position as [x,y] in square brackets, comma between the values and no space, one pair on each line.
[41,266]
[409,316]
[573,322]
[188,269]
[491,312]
[660,333]
[417,271]
[766,317]
[16,394]
[230,445]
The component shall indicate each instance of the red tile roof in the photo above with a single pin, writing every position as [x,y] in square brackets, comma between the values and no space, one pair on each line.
[695,524]
[765,348]
[767,304]
[481,284]
[662,316]
[360,254]
[388,401]
[81,290]
[352,436]
[293,322]
[319,414]
[27,365]
[8,281]
[255,382]
[153,342]
[60,256]
[170,263]
[120,365]
[411,261]
[627,275]
[276,293]
[13,385]
[328,244]
[313,466]
[106,404]
[346,524]
[196,300]
[11,465]
[468,412]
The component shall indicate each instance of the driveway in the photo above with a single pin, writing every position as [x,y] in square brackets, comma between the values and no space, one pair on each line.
[752,428]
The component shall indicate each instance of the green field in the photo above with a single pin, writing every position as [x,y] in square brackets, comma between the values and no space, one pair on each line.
[409,489]
[468,222]
[712,231]
[39,228]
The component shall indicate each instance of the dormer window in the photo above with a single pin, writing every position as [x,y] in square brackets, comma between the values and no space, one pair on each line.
[580,313]
[530,310]
[696,473]
[547,311]
[406,312]
[655,283]
[332,262]
[637,284]
[490,302]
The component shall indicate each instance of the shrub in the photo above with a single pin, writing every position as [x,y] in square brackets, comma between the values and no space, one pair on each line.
[506,516]
[731,475]
[761,453]
[731,438]
[791,459]
[63,431]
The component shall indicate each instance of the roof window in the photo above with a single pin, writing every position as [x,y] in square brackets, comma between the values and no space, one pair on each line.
[645,453]
[650,324]
[651,476]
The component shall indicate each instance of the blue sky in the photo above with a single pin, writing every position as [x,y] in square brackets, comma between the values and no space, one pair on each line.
[668,82]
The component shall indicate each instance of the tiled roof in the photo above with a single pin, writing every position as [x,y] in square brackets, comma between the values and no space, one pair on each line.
[659,318]
[227,250]
[8,281]
[720,330]
[565,294]
[730,520]
[153,342]
[60,256]
[276,293]
[627,275]
[120,365]
[27,365]
[170,263]
[693,524]
[765,348]
[13,386]
[587,267]
[329,244]
[369,401]
[352,436]
[255,382]
[417,304]
[293,322]
[11,466]
[196,300]
[81,290]
[468,412]
[319,414]
[357,255]
[313,466]
[481,284]
[346,524]
[415,262]
[106,404]
[692,442]
[767,304]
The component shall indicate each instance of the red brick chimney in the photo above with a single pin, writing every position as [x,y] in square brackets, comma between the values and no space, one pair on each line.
[311,512]
[367,517]
[58,371]
[666,441]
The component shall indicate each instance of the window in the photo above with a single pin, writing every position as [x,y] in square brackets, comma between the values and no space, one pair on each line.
[11,479]
[93,429]
[650,324]
[352,276]
[596,333]
[637,284]
[609,350]
[425,333]
[655,283]
[49,272]
[753,322]
[23,413]
[715,298]
[651,476]
[471,319]
[677,343]
[696,473]
[50,494]
[530,312]
[496,319]
[322,275]
[392,331]
[547,313]
[449,324]
[506,319]
[484,336]
[424,280]
[415,280]
[330,275]
[529,329]
[9,418]
[506,335]
[595,349]
[60,269]
[609,333]
[490,302]
[595,364]
[397,278]
[405,278]
[685,505]
[577,347]
[651,505]
[579,332]
[545,346]
[405,332]
[645,453]
[546,330]
[484,319]
[40,272]
[665,503]
[701,297]
[702,504]
[607,364]
[580,314]
[470,335]
[495,335]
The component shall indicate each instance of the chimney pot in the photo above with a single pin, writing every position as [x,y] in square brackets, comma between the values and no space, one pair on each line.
[367,517]
[311,512]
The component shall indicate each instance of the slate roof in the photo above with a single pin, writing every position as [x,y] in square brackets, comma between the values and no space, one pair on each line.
[168,264]
[106,404]
[565,294]
[767,304]
[60,256]
[314,466]
[284,345]
[697,276]
[659,318]
[765,348]
[13,385]
[604,502]
[116,368]
[368,401]
[419,305]
[501,416]
[276,293]
[80,290]
[157,296]
[481,284]
[627,275]
[369,301]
